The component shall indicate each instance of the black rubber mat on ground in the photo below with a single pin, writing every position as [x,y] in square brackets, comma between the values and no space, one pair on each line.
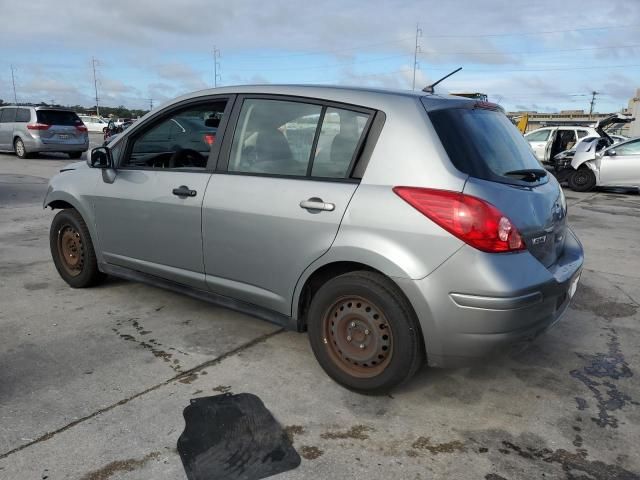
[233,437]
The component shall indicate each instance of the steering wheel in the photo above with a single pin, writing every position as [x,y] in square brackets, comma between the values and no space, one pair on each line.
[186,157]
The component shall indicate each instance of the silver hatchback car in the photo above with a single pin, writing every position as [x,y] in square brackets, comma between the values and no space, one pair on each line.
[27,130]
[394,226]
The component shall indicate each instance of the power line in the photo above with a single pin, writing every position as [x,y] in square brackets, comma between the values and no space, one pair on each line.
[593,102]
[517,34]
[95,84]
[496,70]
[325,52]
[13,81]
[404,39]
[216,66]
[415,55]
[312,67]
[523,52]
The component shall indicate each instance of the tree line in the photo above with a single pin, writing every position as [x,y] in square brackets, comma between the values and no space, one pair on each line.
[119,112]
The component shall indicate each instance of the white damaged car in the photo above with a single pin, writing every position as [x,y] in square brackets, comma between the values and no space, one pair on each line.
[617,165]
[599,161]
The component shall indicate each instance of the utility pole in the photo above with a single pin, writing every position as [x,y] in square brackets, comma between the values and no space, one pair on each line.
[216,66]
[415,55]
[593,102]
[150,104]
[13,80]
[95,84]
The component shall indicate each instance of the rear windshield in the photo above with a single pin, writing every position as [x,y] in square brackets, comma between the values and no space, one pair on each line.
[58,117]
[483,143]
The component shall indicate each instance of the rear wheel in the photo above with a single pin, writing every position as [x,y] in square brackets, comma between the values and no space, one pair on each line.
[19,148]
[72,250]
[74,155]
[364,333]
[582,180]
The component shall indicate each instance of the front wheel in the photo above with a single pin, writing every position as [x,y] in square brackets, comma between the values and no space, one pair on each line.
[72,250]
[582,180]
[364,332]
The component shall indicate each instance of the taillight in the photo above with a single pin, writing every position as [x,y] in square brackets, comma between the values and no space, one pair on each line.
[38,126]
[81,128]
[472,220]
[209,138]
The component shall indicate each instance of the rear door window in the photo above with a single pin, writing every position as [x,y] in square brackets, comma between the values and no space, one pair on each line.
[23,115]
[582,133]
[274,137]
[340,136]
[539,136]
[8,115]
[58,117]
[290,138]
[483,143]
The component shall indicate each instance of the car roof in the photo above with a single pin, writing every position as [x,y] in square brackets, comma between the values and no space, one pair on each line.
[365,96]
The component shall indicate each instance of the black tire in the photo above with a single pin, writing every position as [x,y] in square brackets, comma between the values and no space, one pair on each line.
[582,179]
[69,237]
[19,148]
[360,373]
[74,155]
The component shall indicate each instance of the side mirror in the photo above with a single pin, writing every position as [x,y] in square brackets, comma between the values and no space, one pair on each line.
[611,153]
[100,158]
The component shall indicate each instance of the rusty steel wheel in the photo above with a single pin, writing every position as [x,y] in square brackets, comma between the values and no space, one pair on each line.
[71,250]
[358,336]
[364,333]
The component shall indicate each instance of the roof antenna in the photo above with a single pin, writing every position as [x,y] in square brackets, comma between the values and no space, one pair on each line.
[430,89]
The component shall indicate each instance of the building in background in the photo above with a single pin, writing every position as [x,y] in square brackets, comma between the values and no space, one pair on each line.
[634,110]
[565,117]
[580,117]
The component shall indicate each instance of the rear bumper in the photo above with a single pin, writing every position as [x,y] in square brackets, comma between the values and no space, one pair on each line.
[34,145]
[476,304]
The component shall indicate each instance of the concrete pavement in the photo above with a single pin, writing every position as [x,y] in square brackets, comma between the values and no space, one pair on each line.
[93,382]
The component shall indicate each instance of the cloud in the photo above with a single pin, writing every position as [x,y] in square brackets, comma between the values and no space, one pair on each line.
[163,48]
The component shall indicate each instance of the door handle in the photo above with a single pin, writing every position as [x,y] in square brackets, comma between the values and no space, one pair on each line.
[315,203]
[184,191]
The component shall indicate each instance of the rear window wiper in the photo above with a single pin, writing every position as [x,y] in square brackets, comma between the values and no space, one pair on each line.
[528,175]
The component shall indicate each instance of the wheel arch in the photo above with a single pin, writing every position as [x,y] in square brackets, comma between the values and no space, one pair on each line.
[58,199]
[318,274]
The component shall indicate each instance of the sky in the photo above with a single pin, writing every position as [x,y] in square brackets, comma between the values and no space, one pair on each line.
[526,55]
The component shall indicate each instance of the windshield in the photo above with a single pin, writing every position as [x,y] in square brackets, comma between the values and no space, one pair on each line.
[483,143]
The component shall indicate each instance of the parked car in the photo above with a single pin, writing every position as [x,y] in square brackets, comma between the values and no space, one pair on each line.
[28,130]
[94,124]
[562,161]
[385,223]
[121,121]
[566,170]
[547,142]
[595,165]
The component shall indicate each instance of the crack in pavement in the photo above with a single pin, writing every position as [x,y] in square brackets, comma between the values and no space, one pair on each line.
[124,401]
[581,200]
[613,274]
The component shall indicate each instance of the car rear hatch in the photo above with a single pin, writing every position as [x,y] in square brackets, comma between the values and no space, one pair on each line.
[481,142]
[60,127]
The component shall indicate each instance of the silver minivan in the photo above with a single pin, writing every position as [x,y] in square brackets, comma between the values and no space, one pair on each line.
[395,227]
[28,130]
